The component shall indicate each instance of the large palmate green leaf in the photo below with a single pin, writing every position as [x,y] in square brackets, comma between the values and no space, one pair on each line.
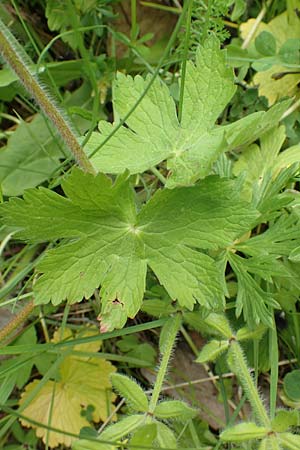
[106,242]
[153,132]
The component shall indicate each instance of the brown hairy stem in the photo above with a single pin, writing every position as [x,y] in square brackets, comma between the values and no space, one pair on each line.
[14,55]
[14,323]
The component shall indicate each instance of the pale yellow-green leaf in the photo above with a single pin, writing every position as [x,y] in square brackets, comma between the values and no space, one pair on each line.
[174,409]
[144,436]
[255,161]
[130,391]
[285,419]
[219,323]
[85,444]
[165,436]
[82,381]
[95,346]
[246,334]
[265,444]
[287,158]
[289,440]
[282,31]
[244,432]
[66,414]
[212,350]
[122,428]
[276,89]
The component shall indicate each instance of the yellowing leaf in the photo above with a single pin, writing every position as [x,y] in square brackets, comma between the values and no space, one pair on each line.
[83,381]
[65,416]
[88,347]
[282,30]
[275,89]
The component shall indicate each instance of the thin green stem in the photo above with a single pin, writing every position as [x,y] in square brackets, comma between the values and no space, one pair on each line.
[255,358]
[87,64]
[274,368]
[133,33]
[172,326]
[61,35]
[189,341]
[13,299]
[159,175]
[223,393]
[17,277]
[194,434]
[64,322]
[237,364]
[185,58]
[25,27]
[10,50]
[153,5]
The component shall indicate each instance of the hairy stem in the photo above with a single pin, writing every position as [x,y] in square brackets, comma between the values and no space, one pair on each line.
[172,326]
[237,364]
[14,323]
[14,55]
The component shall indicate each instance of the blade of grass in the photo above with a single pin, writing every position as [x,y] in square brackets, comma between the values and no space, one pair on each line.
[223,393]
[274,369]
[17,349]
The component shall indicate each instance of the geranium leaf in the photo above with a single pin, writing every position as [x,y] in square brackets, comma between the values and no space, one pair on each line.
[153,133]
[110,244]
